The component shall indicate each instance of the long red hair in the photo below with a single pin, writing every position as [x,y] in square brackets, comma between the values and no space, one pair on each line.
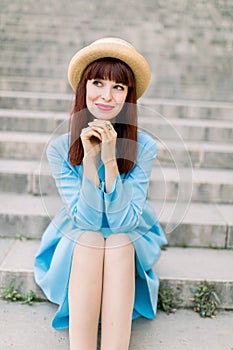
[125,122]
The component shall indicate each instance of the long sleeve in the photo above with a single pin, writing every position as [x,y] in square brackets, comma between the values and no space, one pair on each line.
[82,199]
[124,204]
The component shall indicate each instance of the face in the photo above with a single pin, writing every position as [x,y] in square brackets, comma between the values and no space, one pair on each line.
[105,98]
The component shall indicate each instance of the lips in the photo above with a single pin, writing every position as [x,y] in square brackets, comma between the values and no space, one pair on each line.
[104,107]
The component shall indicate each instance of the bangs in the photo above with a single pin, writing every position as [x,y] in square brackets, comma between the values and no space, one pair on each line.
[110,69]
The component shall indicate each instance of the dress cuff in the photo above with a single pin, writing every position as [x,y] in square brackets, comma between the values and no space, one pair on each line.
[92,195]
[119,197]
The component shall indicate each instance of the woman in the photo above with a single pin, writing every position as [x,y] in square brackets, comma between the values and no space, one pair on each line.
[96,256]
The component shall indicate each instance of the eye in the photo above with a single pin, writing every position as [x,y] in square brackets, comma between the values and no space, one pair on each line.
[119,87]
[97,83]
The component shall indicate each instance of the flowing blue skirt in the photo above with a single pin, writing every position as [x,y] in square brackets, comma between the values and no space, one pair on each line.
[53,265]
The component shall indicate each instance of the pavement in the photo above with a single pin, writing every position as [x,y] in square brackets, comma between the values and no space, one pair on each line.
[24,327]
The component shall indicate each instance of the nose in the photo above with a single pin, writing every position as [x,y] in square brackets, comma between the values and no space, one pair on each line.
[107,93]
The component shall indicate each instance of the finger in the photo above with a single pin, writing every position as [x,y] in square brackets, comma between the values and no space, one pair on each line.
[87,133]
[101,123]
[105,133]
[106,125]
[109,126]
[99,129]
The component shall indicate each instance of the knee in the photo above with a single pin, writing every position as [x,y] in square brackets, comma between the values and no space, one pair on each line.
[91,239]
[119,253]
[119,241]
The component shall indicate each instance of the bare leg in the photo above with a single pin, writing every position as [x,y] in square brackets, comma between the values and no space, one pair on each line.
[118,292]
[85,290]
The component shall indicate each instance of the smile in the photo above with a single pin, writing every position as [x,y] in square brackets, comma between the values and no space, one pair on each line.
[104,107]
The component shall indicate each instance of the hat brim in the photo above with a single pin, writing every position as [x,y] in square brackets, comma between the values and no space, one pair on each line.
[127,54]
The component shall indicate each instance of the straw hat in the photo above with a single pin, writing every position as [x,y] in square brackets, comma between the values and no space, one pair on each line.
[110,47]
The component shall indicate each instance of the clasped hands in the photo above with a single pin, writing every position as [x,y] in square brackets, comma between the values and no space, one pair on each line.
[99,137]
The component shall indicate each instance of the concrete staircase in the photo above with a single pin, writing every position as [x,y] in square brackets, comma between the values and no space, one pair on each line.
[199,231]
[192,180]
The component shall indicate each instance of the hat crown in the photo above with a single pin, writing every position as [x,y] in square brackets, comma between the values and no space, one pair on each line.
[114,41]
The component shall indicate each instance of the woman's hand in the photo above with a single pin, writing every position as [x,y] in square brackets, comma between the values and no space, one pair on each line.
[91,145]
[107,135]
[91,142]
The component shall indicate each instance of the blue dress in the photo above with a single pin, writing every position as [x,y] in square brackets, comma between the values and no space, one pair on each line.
[124,210]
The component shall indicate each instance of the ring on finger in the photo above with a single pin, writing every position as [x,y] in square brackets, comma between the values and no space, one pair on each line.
[109,126]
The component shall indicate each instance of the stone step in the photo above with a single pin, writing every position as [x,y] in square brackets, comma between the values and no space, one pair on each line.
[202,185]
[201,154]
[185,224]
[44,21]
[16,263]
[45,30]
[25,214]
[186,129]
[41,45]
[190,224]
[32,177]
[26,146]
[39,84]
[31,70]
[39,101]
[34,60]
[22,145]
[193,109]
[170,184]
[183,70]
[32,43]
[32,121]
[46,100]
[184,268]
[152,122]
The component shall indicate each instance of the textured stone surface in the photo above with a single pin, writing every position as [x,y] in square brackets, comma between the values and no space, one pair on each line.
[5,246]
[188,44]
[150,120]
[188,108]
[193,266]
[167,183]
[227,214]
[32,146]
[181,330]
[26,215]
[180,268]
[185,224]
